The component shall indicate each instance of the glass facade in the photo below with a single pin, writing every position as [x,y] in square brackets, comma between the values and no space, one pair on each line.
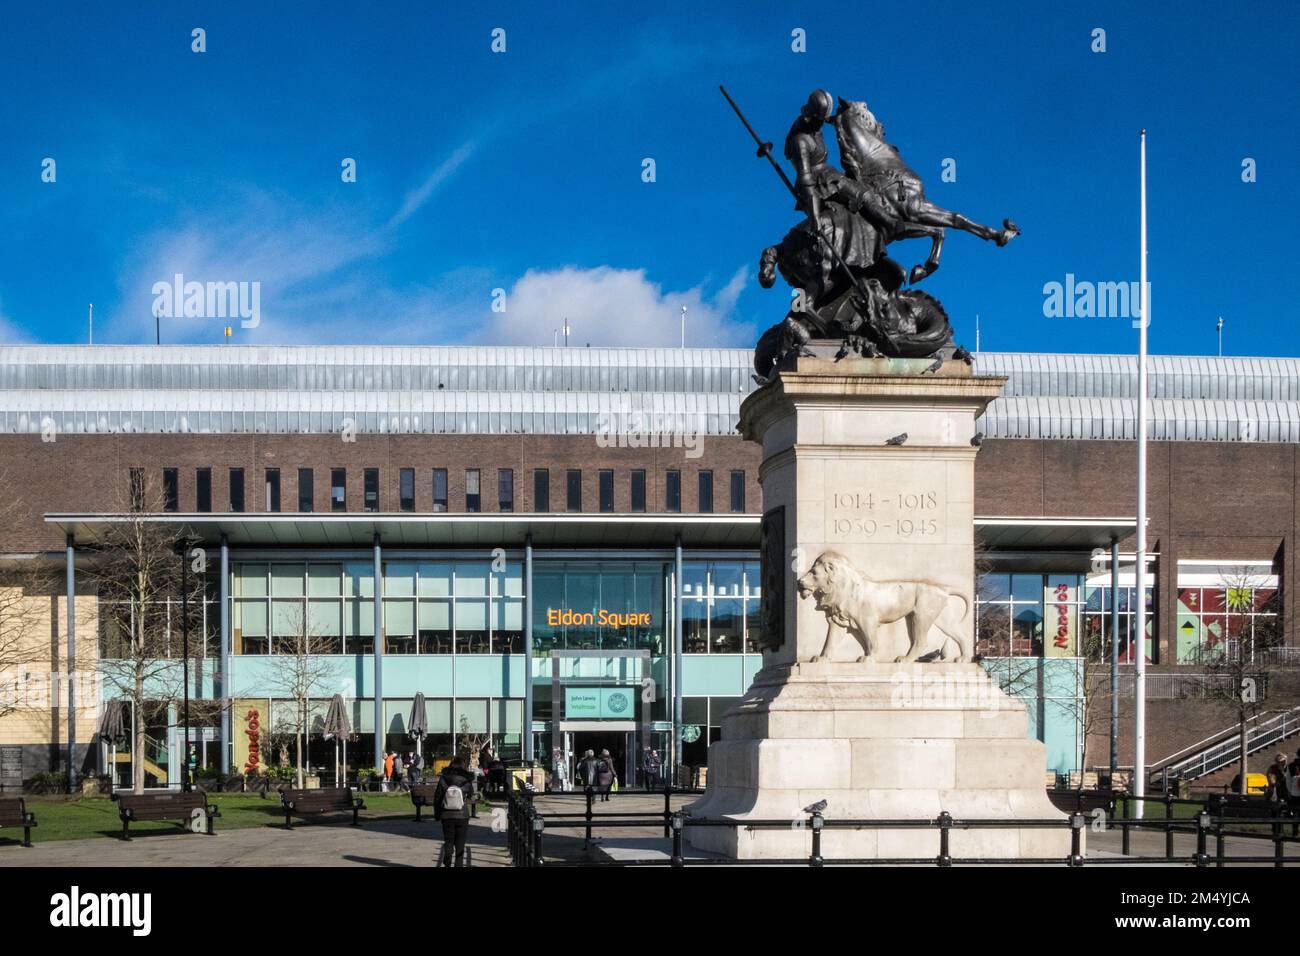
[453,628]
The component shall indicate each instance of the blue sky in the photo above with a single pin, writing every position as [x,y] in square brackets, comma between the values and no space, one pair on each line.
[522,170]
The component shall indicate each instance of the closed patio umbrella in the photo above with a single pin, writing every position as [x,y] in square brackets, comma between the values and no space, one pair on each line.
[417,728]
[337,727]
[112,730]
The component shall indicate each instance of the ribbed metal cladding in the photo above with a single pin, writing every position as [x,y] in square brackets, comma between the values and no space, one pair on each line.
[584,391]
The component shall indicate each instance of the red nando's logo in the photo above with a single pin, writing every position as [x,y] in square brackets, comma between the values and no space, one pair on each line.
[1062,616]
[253,730]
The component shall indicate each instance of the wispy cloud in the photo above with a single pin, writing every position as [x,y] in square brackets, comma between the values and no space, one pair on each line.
[418,197]
[619,307]
[11,333]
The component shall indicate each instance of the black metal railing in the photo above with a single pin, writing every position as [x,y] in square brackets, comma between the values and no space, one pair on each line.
[527,827]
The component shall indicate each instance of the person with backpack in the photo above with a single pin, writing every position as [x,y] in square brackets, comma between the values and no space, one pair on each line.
[451,802]
[604,774]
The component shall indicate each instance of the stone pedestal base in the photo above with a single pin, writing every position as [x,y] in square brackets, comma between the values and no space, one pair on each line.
[877,741]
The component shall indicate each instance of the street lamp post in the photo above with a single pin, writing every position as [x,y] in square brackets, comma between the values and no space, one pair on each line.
[185,665]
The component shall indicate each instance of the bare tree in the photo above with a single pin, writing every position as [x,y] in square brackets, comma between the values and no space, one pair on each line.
[136,569]
[299,673]
[1237,671]
[471,743]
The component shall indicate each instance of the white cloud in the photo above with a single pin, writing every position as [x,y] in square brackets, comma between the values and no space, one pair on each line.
[11,333]
[619,307]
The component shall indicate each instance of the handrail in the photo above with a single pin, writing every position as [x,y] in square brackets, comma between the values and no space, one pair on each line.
[1228,750]
[1214,738]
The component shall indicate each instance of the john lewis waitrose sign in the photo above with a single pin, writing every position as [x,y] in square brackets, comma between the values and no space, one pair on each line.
[600,703]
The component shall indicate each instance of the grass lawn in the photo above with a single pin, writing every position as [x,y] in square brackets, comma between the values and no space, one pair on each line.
[62,818]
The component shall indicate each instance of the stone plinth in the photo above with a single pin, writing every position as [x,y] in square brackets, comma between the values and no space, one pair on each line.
[868,468]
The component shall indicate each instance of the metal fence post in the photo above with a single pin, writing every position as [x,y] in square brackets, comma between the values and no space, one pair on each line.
[1124,827]
[1202,824]
[586,845]
[815,821]
[1169,827]
[944,821]
[678,858]
[668,809]
[538,826]
[1077,822]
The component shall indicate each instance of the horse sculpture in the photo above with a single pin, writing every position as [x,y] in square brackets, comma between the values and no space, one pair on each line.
[874,163]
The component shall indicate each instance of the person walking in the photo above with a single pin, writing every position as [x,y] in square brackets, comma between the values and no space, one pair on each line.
[397,771]
[451,803]
[417,768]
[388,771]
[559,771]
[1279,780]
[654,766]
[605,777]
[587,769]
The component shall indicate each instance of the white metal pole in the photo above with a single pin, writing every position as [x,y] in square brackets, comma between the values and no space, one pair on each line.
[1138,641]
[92,323]
[683,326]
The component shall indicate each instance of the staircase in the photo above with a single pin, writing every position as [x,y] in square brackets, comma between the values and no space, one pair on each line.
[1223,749]
[154,759]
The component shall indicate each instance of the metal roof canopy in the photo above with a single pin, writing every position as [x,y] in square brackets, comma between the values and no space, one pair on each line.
[601,530]
[405,529]
[1054,533]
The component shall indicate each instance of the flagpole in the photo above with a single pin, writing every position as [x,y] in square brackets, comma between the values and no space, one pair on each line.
[1140,615]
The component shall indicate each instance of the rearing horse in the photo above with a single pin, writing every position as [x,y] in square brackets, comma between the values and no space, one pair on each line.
[871,161]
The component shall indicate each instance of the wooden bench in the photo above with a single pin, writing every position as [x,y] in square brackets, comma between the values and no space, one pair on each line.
[175,805]
[422,796]
[1235,806]
[14,813]
[298,803]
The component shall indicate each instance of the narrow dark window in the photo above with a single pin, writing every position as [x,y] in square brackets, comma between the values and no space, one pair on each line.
[541,489]
[372,489]
[505,489]
[338,489]
[440,489]
[573,489]
[236,489]
[171,489]
[737,492]
[606,477]
[273,489]
[706,492]
[203,489]
[406,489]
[473,498]
[638,490]
[306,492]
[673,492]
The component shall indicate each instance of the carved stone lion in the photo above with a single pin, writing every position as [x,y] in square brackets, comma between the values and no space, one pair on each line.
[854,602]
